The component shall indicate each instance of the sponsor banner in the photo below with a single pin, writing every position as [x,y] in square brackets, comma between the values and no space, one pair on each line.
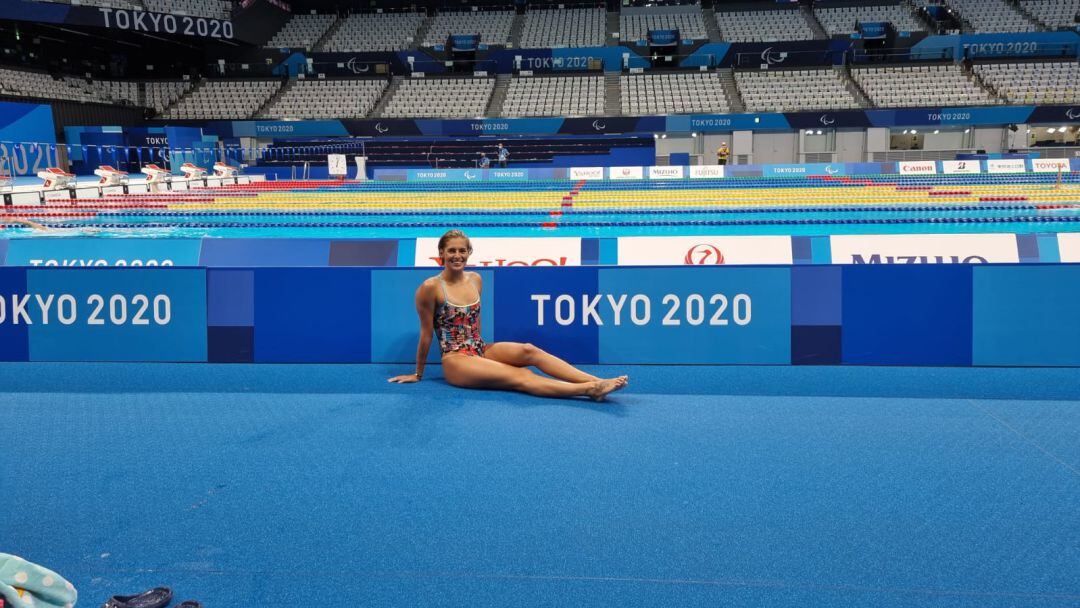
[495,251]
[675,172]
[960,167]
[586,173]
[924,249]
[706,171]
[113,314]
[1069,246]
[703,250]
[134,20]
[1050,165]
[1005,165]
[922,167]
[443,175]
[79,252]
[626,173]
[506,175]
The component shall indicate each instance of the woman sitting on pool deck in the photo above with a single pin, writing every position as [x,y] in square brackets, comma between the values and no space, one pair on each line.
[469,363]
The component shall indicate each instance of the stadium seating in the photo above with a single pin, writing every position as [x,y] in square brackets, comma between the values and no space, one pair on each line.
[215,9]
[763,26]
[922,85]
[492,26]
[1034,83]
[564,28]
[313,99]
[559,96]
[440,98]
[842,20]
[301,32]
[634,24]
[1053,13]
[992,16]
[375,32]
[160,94]
[650,94]
[21,83]
[228,99]
[794,90]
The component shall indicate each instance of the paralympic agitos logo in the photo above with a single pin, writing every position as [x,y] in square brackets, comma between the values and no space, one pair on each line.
[704,255]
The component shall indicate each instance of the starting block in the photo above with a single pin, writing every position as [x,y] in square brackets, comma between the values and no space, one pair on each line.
[5,183]
[56,178]
[192,171]
[155,177]
[225,170]
[110,176]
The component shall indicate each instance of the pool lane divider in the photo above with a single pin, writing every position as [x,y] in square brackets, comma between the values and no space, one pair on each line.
[567,203]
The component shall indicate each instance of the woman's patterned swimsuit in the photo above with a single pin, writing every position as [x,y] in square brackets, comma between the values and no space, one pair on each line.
[458,327]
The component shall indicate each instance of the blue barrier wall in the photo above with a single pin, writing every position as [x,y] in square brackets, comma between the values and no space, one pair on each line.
[957,315]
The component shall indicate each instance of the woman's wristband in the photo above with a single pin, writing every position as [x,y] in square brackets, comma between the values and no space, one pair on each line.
[418,375]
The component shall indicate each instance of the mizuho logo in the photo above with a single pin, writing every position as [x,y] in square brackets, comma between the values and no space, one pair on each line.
[771,58]
[380,128]
[357,68]
[827,120]
[599,125]
[1072,114]
[704,255]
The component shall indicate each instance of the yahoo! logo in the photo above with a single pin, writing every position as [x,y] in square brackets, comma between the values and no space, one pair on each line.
[704,255]
[508,262]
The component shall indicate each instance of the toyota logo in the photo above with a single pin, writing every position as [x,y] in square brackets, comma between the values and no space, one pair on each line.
[704,255]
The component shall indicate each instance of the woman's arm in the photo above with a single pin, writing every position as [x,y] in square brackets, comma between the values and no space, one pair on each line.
[425,309]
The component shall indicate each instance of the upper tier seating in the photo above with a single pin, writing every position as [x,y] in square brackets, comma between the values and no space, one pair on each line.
[1034,83]
[841,20]
[990,16]
[375,32]
[1054,13]
[228,99]
[162,93]
[635,25]
[301,32]
[653,94]
[22,83]
[317,99]
[794,90]
[215,9]
[763,26]
[556,96]
[492,26]
[564,28]
[128,4]
[922,85]
[440,98]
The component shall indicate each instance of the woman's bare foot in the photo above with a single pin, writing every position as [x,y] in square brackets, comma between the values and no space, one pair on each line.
[601,388]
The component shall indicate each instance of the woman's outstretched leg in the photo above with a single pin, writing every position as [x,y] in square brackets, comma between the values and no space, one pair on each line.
[481,372]
[520,354]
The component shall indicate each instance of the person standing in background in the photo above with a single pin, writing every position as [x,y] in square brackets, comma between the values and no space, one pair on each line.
[722,154]
[504,155]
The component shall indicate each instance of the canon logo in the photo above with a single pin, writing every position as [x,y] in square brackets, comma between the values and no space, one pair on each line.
[704,255]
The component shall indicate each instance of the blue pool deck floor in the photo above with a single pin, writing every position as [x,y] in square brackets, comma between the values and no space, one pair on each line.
[321,485]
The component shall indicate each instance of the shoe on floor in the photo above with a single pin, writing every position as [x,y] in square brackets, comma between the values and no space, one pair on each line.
[155,598]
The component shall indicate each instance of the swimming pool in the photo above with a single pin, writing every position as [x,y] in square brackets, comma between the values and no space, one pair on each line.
[886,204]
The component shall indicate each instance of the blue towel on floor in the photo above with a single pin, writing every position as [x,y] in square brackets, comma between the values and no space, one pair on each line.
[27,585]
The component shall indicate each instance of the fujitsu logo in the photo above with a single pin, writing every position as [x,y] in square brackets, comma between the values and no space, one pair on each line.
[704,255]
[508,262]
